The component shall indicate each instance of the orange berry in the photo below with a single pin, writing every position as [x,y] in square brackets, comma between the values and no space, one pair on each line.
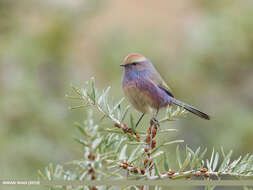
[197,174]
[145,162]
[137,136]
[203,170]
[136,170]
[124,166]
[154,130]
[149,130]
[117,125]
[171,172]
[93,177]
[207,175]
[90,170]
[148,139]
[153,143]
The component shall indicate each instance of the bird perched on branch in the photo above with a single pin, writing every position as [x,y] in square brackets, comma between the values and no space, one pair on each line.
[146,90]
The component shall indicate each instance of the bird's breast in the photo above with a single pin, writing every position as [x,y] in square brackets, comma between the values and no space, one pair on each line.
[144,95]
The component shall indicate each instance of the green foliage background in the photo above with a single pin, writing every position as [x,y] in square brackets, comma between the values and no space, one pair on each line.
[203,49]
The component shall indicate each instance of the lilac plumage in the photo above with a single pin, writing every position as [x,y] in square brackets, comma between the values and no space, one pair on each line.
[146,90]
[142,92]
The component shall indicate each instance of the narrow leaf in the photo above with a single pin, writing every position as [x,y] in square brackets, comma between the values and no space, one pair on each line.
[157,154]
[122,155]
[165,162]
[234,163]
[157,172]
[93,91]
[225,162]
[132,122]
[134,153]
[81,129]
[124,113]
[80,141]
[215,162]
[117,104]
[186,162]
[96,143]
[178,157]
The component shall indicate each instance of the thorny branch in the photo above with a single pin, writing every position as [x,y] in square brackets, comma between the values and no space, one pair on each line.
[107,150]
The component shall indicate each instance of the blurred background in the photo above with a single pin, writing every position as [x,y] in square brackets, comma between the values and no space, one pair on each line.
[203,49]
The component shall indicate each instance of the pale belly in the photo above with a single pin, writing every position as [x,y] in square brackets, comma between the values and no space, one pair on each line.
[144,99]
[138,99]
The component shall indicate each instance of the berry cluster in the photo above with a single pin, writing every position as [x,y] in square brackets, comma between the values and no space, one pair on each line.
[127,129]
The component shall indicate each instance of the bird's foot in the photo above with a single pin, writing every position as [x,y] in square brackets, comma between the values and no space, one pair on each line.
[154,122]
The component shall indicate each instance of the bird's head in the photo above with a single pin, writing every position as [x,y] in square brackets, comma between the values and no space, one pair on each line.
[136,62]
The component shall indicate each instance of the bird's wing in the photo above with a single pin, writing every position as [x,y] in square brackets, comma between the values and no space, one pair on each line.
[157,79]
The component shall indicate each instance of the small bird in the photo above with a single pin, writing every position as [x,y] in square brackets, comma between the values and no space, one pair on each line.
[146,90]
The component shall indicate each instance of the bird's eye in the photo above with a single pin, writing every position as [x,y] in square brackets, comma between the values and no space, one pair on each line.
[134,63]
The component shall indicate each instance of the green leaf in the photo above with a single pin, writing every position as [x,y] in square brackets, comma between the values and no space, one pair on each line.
[186,162]
[80,141]
[122,155]
[215,162]
[190,151]
[135,153]
[203,154]
[225,162]
[93,91]
[156,154]
[167,131]
[234,163]
[119,112]
[125,113]
[243,161]
[100,99]
[173,142]
[58,171]
[96,143]
[178,157]
[157,172]
[131,137]
[200,159]
[165,144]
[81,129]
[118,145]
[105,98]
[136,143]
[194,157]
[242,168]
[223,153]
[50,172]
[197,151]
[42,175]
[132,122]
[165,162]
[117,104]
[76,90]
[77,107]
[211,160]
[209,163]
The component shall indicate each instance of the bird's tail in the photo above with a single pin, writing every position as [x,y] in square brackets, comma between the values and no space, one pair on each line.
[190,109]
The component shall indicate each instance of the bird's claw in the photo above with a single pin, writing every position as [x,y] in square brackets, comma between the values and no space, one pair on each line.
[154,122]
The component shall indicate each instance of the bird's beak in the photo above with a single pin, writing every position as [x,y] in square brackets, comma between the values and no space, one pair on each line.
[122,65]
